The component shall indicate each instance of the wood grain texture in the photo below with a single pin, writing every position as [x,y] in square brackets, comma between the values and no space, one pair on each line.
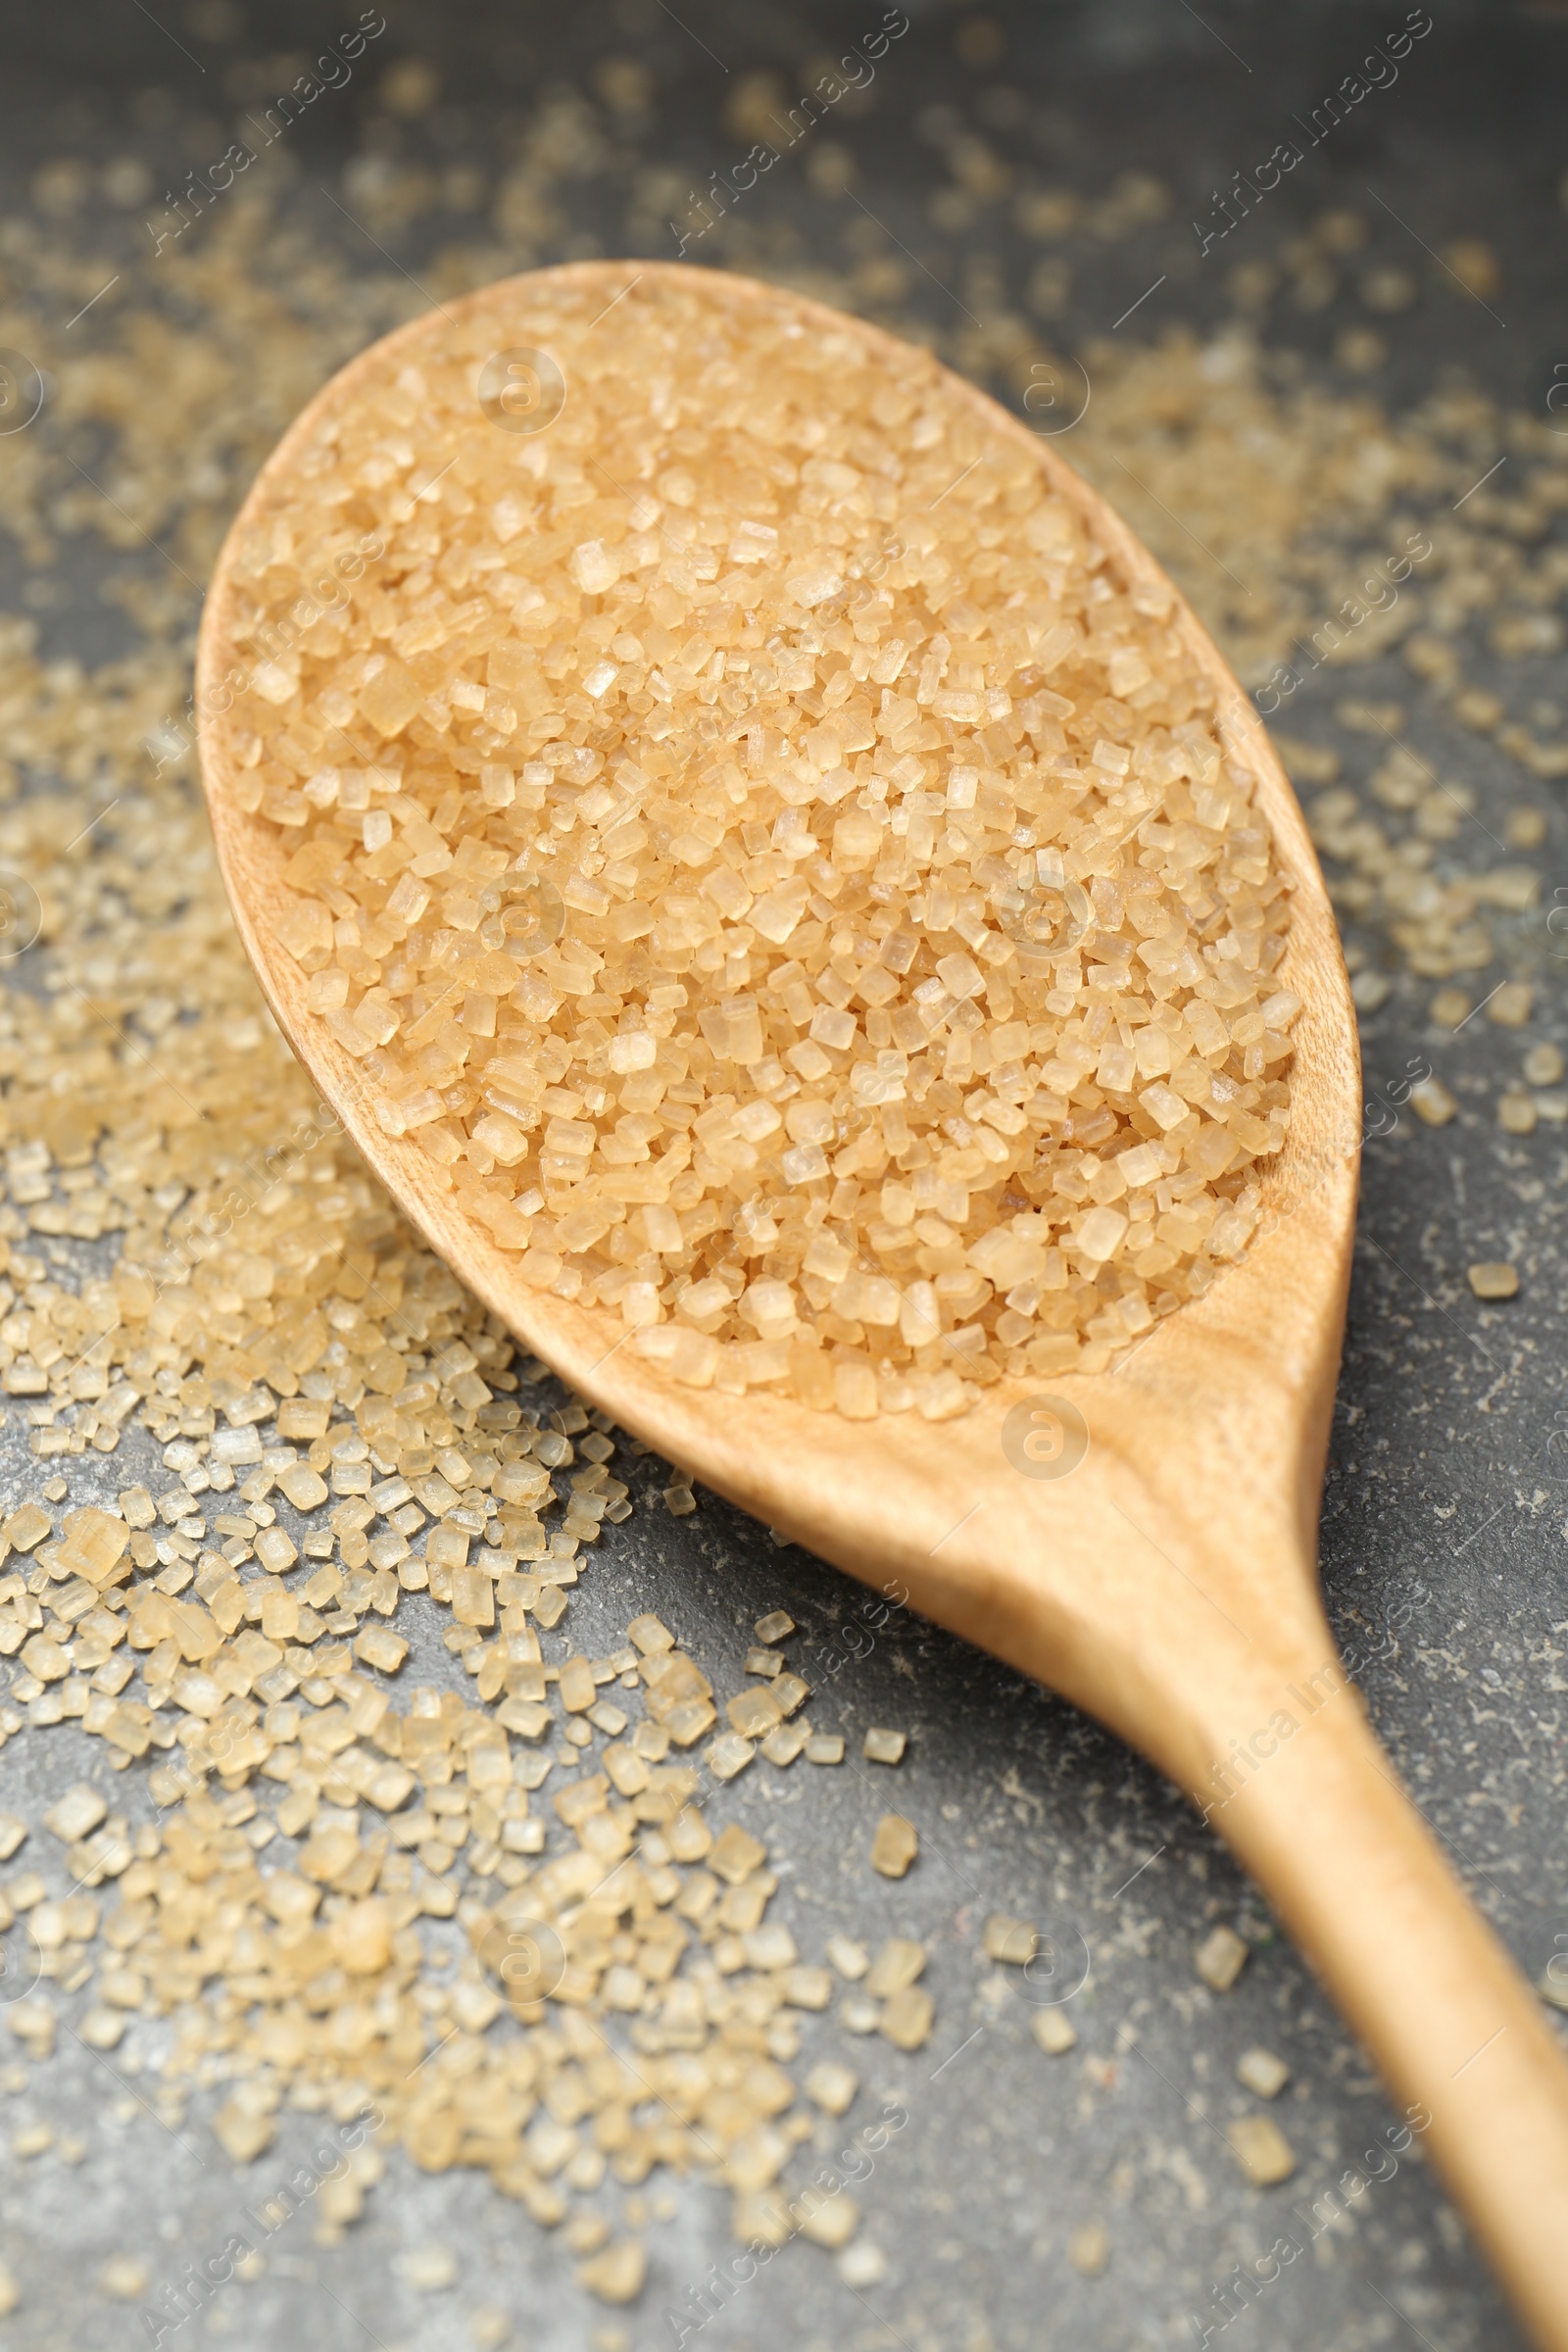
[1167,1584]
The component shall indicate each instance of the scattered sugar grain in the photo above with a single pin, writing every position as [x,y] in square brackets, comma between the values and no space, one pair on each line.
[616,2275]
[1052,2031]
[1220,1958]
[1525,828]
[729,1757]
[908,2017]
[124,2278]
[1493,1278]
[895,1846]
[1434,1106]
[883,1746]
[1510,1006]
[1260,2070]
[1089,2249]
[26,1529]
[1012,1940]
[428,2270]
[833,2222]
[858,2014]
[850,1959]
[1261,2149]
[102,2029]
[1370,989]
[899,1963]
[832,2085]
[786,1742]
[79,1812]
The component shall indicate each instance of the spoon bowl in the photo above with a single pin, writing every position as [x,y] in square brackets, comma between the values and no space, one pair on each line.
[1142,1539]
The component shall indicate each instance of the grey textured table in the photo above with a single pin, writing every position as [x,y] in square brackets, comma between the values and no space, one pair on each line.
[1443,1528]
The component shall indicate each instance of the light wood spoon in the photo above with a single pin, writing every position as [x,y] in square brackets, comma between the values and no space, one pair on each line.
[1166,1583]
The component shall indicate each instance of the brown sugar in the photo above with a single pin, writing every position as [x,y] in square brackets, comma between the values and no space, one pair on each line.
[795,893]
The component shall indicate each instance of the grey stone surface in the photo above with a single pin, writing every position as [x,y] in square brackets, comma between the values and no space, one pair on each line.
[1444,1553]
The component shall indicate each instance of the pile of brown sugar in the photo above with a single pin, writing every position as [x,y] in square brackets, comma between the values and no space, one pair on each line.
[797,893]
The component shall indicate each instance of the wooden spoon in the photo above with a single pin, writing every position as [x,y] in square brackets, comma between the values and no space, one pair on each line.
[1164,1581]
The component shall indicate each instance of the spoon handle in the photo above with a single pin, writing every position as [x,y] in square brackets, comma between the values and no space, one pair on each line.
[1358,1880]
